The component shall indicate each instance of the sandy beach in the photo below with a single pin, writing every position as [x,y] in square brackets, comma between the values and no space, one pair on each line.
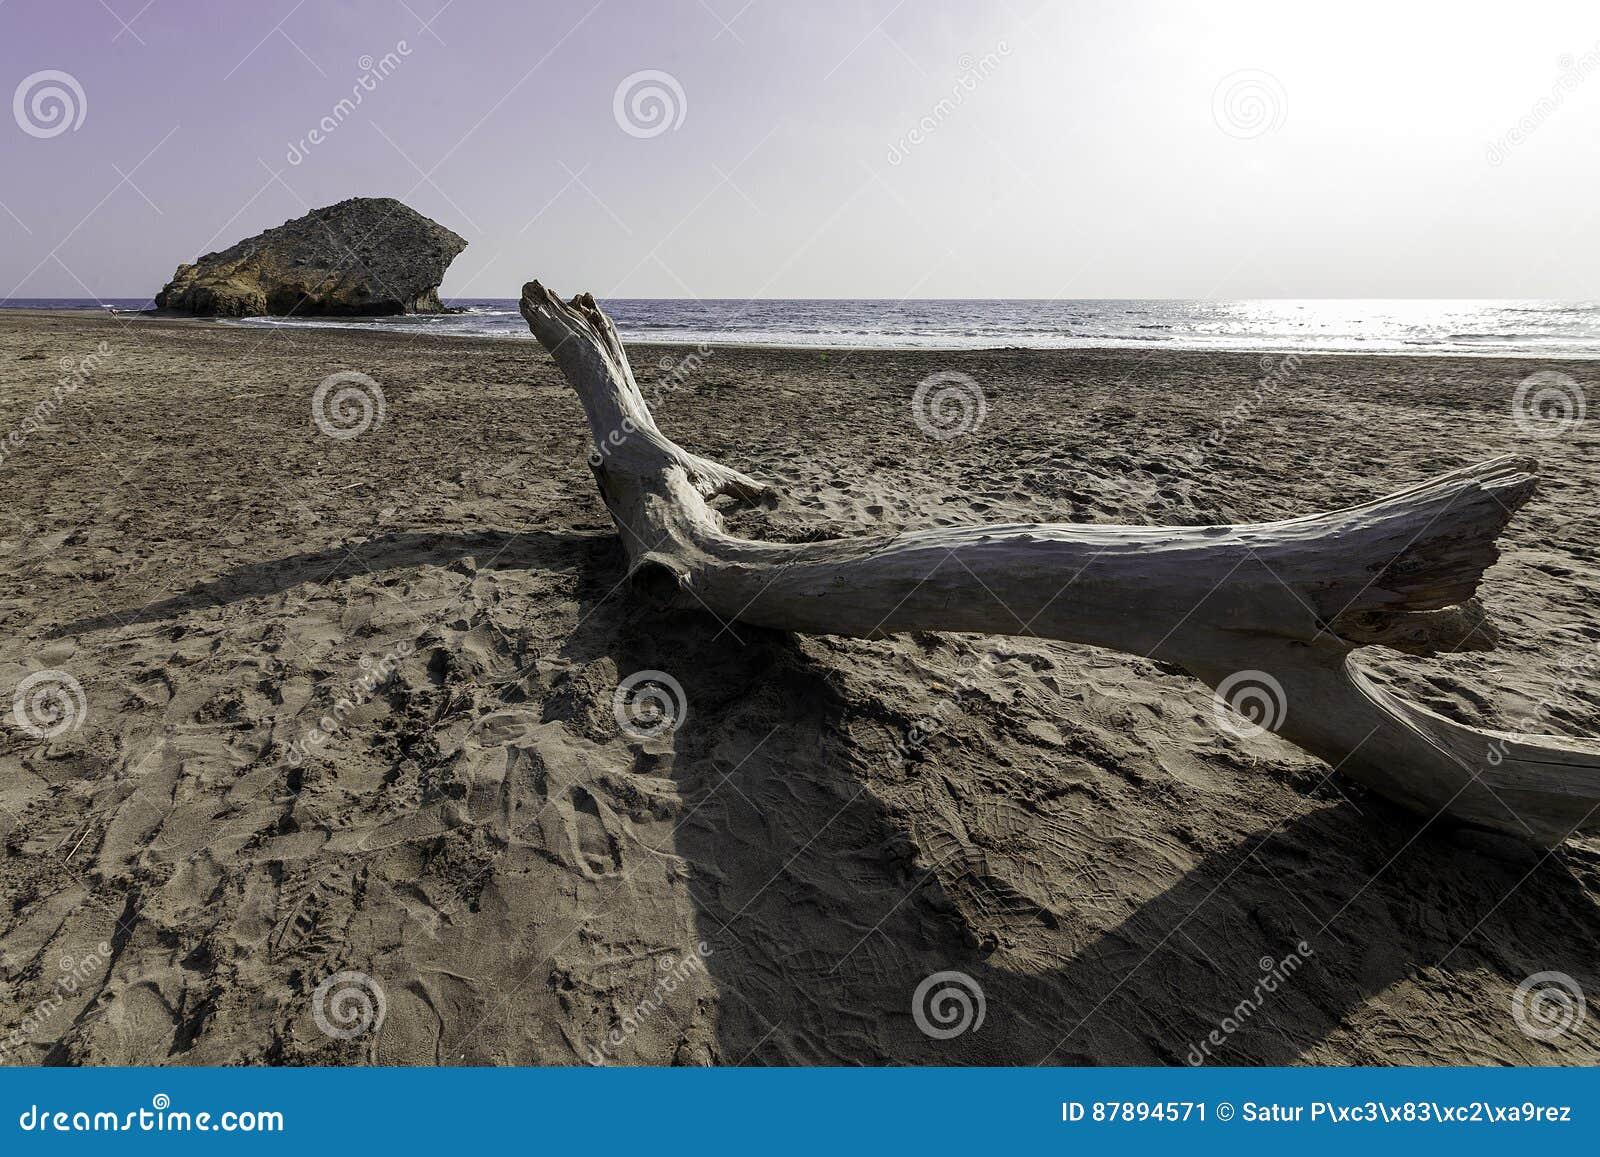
[833,822]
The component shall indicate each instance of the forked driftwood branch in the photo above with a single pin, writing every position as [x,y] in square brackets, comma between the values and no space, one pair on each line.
[1289,599]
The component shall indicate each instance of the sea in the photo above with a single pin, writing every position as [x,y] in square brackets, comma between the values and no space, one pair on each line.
[1532,329]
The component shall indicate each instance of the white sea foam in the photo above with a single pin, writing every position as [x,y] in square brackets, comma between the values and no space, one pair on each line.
[1545,329]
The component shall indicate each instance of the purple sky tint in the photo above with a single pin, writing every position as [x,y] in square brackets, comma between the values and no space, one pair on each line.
[1067,149]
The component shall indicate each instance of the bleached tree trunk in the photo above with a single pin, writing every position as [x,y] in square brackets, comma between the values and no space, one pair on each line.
[1285,600]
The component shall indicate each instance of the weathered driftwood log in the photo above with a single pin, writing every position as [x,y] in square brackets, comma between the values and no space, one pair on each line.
[1289,600]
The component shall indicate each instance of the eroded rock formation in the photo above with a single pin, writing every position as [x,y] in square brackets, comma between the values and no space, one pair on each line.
[362,257]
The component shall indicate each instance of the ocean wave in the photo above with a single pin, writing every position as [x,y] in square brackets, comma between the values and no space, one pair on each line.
[1461,328]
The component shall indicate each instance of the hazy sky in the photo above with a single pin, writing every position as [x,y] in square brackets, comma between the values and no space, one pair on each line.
[825,148]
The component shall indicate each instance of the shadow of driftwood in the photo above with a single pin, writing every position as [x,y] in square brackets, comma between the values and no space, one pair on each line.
[824,913]
[521,549]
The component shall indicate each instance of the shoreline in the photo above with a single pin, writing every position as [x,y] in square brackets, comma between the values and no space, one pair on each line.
[1087,346]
